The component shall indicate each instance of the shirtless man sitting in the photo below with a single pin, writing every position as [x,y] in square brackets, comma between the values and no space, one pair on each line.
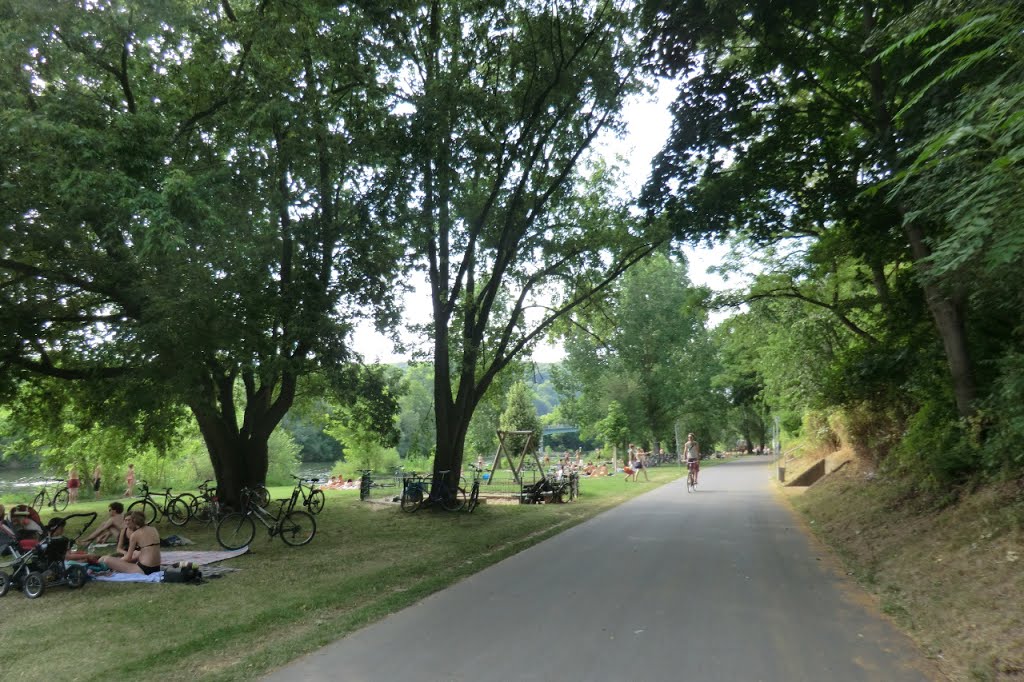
[109,529]
[143,555]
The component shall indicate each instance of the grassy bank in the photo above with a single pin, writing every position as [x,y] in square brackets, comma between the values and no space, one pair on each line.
[951,575]
[366,561]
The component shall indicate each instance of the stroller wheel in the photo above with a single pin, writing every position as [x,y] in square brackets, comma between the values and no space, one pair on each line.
[75,577]
[33,585]
[5,583]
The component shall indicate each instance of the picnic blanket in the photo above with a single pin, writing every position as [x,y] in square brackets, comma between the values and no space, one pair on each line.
[201,557]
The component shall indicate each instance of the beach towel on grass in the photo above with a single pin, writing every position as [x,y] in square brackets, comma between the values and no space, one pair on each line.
[128,577]
[200,557]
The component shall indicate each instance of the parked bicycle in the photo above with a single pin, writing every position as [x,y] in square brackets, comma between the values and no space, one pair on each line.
[367,483]
[474,492]
[206,508]
[295,526]
[173,508]
[421,491]
[313,498]
[261,495]
[58,500]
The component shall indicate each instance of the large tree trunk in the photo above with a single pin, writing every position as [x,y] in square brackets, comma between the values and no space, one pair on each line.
[452,417]
[949,321]
[239,461]
[239,453]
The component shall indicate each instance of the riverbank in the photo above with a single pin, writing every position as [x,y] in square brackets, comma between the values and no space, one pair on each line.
[949,575]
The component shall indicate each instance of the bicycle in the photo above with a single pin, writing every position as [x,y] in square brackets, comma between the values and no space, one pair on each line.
[174,509]
[568,489]
[691,476]
[315,499]
[474,492]
[420,491]
[206,507]
[295,526]
[59,501]
[366,482]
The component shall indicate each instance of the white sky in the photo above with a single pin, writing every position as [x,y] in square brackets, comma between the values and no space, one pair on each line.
[648,123]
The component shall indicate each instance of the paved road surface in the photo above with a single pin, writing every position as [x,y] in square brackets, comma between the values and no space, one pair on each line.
[718,585]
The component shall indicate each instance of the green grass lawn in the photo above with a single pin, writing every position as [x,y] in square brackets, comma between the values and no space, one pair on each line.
[366,561]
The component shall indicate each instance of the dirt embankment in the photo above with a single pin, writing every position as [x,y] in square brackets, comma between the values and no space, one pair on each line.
[952,576]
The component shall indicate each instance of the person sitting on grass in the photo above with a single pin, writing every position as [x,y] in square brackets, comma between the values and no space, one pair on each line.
[143,555]
[109,529]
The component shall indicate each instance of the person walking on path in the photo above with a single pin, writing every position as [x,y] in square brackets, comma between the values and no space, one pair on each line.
[641,464]
[692,451]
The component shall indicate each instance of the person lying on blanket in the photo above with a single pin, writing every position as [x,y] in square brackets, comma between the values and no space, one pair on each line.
[143,555]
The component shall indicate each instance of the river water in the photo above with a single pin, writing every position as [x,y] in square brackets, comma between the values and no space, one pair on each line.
[21,482]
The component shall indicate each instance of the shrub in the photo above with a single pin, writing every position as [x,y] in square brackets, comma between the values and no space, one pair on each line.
[937,447]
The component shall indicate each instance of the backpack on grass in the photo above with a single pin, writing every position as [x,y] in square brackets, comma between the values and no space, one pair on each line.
[183,573]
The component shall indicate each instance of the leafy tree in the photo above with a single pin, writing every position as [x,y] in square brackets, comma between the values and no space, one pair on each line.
[416,419]
[784,121]
[520,415]
[614,428]
[508,99]
[198,203]
[645,347]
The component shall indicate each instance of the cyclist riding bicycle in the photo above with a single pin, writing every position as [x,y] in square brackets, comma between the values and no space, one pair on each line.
[692,451]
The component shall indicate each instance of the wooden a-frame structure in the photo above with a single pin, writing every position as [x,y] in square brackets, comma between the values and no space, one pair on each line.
[502,449]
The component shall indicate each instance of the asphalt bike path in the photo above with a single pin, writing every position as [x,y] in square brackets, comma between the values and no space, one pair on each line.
[719,585]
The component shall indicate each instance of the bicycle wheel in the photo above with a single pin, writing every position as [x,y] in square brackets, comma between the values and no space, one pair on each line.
[454,502]
[412,497]
[316,501]
[148,509]
[39,500]
[60,500]
[474,497]
[203,512]
[5,583]
[261,496]
[191,500]
[691,485]
[297,528]
[178,511]
[235,531]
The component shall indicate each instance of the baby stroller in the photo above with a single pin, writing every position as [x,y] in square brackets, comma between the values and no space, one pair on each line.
[38,556]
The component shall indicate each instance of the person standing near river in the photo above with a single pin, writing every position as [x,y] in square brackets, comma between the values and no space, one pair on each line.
[129,480]
[97,478]
[73,484]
